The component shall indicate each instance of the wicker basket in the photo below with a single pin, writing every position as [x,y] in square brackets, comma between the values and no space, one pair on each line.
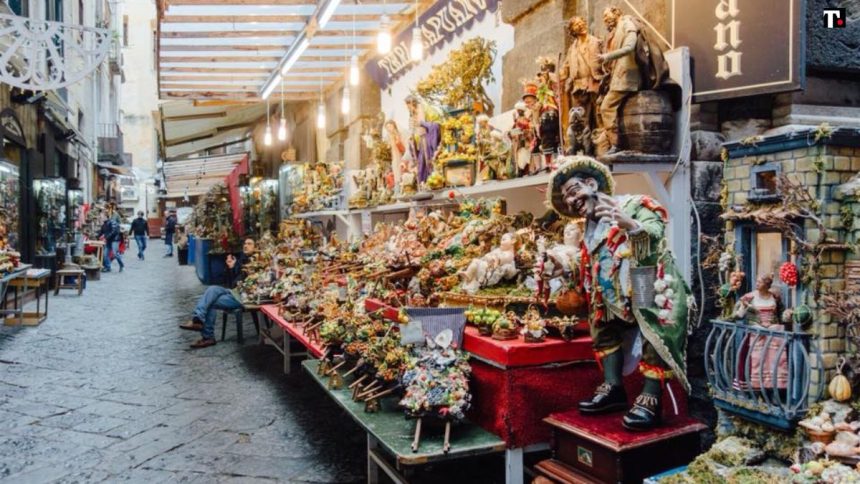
[505,334]
[820,436]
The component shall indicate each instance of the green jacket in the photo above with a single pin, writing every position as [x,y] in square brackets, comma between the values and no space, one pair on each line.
[644,247]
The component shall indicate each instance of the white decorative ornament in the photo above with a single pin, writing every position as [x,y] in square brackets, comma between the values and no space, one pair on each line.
[444,338]
[43,55]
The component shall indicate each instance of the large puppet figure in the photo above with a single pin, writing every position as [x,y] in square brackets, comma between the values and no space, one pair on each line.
[624,239]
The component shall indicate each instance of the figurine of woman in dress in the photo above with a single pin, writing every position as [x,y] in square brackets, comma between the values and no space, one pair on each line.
[398,149]
[762,308]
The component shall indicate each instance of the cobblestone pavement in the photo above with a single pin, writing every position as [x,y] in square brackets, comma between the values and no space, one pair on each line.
[107,390]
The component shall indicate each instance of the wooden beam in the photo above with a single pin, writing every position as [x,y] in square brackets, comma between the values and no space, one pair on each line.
[240,2]
[250,97]
[241,70]
[264,19]
[192,117]
[188,139]
[209,87]
[181,59]
[259,33]
[260,48]
[215,70]
[222,145]
[227,78]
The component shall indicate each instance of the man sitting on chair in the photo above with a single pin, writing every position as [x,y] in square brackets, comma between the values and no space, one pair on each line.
[218,297]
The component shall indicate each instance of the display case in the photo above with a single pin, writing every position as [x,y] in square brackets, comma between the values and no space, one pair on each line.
[260,206]
[50,194]
[10,207]
[290,179]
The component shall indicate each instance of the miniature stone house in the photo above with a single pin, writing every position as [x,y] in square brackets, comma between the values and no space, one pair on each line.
[825,163]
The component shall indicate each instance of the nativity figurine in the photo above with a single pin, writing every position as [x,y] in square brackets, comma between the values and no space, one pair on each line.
[491,269]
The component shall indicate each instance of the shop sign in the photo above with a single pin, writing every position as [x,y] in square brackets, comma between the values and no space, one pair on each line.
[741,48]
[439,25]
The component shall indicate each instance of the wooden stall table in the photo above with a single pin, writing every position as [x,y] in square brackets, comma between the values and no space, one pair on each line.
[5,282]
[94,271]
[37,281]
[507,375]
[289,331]
[389,436]
[72,271]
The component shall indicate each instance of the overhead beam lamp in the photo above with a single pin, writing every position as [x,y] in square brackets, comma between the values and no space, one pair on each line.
[383,38]
[327,12]
[345,101]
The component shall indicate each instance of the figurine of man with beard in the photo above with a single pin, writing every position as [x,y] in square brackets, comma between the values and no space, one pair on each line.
[625,238]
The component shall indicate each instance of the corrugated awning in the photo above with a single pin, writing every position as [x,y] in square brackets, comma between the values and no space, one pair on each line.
[194,176]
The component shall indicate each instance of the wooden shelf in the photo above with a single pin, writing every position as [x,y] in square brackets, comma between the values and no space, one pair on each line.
[322,213]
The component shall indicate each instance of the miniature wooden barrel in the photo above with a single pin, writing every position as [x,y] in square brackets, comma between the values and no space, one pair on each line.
[647,123]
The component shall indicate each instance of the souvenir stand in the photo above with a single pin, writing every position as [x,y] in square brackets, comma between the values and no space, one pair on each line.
[505,375]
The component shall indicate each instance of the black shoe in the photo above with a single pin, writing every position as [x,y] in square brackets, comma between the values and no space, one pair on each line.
[645,414]
[121,268]
[607,398]
[105,270]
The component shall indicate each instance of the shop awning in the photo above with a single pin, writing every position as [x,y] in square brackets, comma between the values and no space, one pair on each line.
[229,50]
[188,127]
[195,176]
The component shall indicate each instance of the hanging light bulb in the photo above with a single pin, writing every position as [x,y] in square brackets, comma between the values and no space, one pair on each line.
[416,50]
[282,129]
[267,138]
[321,116]
[345,101]
[353,70]
[383,38]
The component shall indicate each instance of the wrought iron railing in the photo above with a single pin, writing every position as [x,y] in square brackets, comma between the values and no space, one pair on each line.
[762,374]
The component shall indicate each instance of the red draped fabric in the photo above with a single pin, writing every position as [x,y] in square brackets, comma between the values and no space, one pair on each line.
[232,181]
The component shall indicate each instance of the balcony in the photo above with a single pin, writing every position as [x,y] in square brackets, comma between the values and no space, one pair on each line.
[111,143]
[760,374]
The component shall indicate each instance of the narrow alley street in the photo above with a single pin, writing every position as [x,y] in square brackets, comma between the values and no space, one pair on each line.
[107,390]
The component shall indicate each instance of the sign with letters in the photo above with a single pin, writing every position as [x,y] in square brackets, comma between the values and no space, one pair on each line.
[439,25]
[741,48]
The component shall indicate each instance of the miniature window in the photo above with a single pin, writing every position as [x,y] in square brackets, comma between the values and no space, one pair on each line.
[764,252]
[764,182]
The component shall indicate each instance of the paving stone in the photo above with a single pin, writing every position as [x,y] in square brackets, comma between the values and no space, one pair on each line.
[107,390]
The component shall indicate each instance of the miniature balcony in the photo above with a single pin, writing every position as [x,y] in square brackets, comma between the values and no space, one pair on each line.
[760,374]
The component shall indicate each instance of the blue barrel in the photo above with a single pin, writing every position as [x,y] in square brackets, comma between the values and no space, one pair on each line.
[191,249]
[211,268]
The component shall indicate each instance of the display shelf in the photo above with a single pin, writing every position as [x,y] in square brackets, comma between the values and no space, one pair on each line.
[322,213]
[394,432]
[494,187]
[271,312]
[510,353]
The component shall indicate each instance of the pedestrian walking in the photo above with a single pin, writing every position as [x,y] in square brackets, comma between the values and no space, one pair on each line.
[217,297]
[169,230]
[112,237]
[140,231]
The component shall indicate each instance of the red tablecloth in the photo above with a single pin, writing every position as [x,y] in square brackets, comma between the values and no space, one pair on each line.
[271,311]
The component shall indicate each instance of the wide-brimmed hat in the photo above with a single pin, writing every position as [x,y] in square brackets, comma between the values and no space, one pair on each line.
[576,166]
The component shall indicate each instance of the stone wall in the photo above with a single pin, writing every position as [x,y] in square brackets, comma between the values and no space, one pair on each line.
[837,165]
[540,30]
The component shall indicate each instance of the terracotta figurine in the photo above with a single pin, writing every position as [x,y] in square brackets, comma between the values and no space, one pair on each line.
[622,233]
[581,74]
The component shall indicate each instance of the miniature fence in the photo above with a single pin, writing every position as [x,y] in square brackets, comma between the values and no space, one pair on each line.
[762,374]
